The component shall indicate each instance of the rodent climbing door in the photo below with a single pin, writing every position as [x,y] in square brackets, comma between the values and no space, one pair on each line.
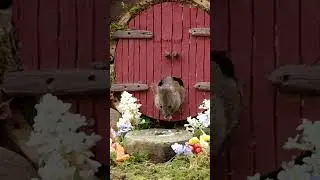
[165,39]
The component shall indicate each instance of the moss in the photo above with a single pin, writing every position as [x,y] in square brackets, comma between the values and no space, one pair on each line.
[9,51]
[186,168]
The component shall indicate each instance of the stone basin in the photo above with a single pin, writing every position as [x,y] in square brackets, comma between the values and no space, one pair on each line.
[156,142]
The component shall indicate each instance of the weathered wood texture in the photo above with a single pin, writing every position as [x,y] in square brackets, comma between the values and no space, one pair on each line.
[143,60]
[301,79]
[200,31]
[63,35]
[261,36]
[66,82]
[132,34]
[205,86]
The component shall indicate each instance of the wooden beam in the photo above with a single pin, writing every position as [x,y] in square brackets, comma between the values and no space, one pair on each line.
[301,79]
[132,34]
[129,87]
[57,82]
[200,32]
[204,86]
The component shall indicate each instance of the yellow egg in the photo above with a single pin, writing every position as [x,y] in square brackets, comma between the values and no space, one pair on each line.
[194,140]
[205,137]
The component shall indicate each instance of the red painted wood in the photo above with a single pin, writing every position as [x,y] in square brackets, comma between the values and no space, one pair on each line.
[241,46]
[48,34]
[143,60]
[119,63]
[28,34]
[85,33]
[51,38]
[85,51]
[310,51]
[206,64]
[166,43]
[176,46]
[200,95]
[170,34]
[101,53]
[185,57]
[67,39]
[263,63]
[192,63]
[134,25]
[219,28]
[150,59]
[288,106]
[157,55]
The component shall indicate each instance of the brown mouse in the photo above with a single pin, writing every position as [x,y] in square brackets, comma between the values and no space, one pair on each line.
[169,95]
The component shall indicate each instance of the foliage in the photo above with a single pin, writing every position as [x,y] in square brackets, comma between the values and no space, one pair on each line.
[9,50]
[178,168]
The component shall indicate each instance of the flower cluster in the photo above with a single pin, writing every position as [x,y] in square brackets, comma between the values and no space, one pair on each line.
[64,153]
[193,146]
[307,140]
[202,120]
[196,145]
[130,115]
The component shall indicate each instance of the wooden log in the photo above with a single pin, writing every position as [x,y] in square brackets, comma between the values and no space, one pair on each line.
[301,79]
[200,32]
[57,82]
[129,87]
[205,86]
[132,34]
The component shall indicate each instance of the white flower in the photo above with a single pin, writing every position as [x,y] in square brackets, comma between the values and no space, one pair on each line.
[296,172]
[64,153]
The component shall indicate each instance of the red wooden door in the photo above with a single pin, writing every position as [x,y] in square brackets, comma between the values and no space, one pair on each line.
[143,60]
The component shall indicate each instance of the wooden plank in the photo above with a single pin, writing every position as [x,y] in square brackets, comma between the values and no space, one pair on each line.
[176,46]
[157,56]
[62,82]
[28,34]
[134,24]
[68,35]
[85,53]
[143,61]
[206,53]
[166,34]
[205,86]
[192,63]
[310,51]
[85,33]
[101,52]
[102,126]
[150,59]
[118,62]
[185,48]
[219,26]
[200,32]
[130,87]
[132,34]
[263,62]
[200,51]
[48,34]
[287,106]
[302,79]
[241,46]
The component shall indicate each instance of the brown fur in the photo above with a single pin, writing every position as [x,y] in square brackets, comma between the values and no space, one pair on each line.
[169,95]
